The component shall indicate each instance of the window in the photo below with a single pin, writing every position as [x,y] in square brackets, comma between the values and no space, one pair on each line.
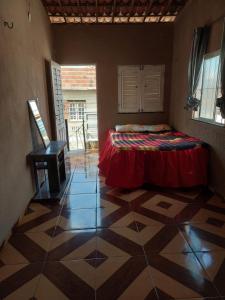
[208,90]
[140,88]
[77,110]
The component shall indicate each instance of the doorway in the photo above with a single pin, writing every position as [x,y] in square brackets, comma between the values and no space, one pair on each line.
[80,106]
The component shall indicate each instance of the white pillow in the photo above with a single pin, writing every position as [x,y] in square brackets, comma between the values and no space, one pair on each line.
[142,128]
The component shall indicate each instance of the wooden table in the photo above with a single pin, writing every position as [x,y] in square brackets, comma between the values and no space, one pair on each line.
[51,159]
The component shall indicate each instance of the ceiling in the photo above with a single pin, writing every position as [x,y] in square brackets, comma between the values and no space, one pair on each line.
[113,11]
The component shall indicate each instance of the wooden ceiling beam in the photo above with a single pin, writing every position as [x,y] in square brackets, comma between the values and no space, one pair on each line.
[131,7]
[148,9]
[96,10]
[60,4]
[72,6]
[113,10]
[166,8]
[78,5]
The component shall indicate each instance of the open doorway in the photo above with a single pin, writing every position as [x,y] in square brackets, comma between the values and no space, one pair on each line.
[80,106]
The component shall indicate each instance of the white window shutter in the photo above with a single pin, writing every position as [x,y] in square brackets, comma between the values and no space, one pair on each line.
[129,88]
[152,88]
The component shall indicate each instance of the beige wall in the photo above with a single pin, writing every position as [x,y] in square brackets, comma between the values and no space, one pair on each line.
[22,76]
[108,46]
[23,51]
[197,13]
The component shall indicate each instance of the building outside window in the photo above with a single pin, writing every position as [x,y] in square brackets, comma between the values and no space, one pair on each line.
[209,90]
[77,110]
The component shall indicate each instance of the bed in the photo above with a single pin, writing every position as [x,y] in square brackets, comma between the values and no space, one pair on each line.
[167,159]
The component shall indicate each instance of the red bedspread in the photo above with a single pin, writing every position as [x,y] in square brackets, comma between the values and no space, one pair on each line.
[172,159]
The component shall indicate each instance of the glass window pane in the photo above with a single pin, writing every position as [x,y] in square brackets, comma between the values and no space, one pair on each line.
[77,110]
[209,87]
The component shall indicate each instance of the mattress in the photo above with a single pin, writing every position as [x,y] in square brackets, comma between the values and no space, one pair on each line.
[169,159]
[165,141]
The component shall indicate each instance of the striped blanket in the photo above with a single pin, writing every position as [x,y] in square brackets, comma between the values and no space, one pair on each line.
[172,140]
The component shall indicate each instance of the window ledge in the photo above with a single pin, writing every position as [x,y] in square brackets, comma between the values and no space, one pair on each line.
[208,122]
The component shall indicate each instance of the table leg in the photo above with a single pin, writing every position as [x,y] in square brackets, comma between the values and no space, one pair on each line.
[34,170]
[53,175]
[62,168]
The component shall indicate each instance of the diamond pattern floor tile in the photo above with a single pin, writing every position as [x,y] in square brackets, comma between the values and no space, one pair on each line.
[104,243]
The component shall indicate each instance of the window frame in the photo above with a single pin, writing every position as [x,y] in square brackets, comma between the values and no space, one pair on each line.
[199,118]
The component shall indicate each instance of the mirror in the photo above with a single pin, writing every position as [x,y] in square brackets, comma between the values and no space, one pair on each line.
[38,121]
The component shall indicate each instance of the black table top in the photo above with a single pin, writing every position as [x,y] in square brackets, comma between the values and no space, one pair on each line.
[54,148]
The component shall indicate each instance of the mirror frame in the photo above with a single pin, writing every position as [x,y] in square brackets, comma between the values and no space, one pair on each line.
[38,119]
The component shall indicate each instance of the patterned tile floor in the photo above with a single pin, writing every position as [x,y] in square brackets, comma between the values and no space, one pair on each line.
[102,243]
